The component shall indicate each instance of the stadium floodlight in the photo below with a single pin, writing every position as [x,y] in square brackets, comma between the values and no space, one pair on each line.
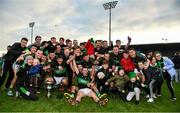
[109,6]
[31,25]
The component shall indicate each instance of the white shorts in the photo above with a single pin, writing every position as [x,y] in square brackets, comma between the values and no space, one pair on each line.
[136,93]
[85,91]
[58,80]
[16,67]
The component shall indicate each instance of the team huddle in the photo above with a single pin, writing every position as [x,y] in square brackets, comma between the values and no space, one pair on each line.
[91,69]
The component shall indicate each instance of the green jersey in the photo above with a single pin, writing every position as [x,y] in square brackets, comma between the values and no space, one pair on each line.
[83,81]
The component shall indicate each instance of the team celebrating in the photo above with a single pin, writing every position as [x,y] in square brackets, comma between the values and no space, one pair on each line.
[93,69]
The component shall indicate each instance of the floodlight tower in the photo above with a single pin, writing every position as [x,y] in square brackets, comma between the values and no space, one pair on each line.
[31,25]
[109,6]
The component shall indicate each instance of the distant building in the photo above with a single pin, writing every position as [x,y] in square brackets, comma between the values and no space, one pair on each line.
[167,49]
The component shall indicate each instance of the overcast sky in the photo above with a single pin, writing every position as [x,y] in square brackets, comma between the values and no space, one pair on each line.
[146,21]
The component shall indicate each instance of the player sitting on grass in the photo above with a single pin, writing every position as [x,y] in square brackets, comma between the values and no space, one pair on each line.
[59,73]
[86,87]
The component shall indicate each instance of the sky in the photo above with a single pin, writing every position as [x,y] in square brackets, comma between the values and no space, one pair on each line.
[146,21]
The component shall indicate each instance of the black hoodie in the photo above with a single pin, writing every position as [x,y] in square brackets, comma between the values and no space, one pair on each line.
[14,52]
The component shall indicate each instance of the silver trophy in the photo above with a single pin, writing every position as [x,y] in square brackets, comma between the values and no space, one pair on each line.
[49,87]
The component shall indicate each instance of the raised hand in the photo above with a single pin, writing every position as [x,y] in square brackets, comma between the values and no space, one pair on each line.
[129,39]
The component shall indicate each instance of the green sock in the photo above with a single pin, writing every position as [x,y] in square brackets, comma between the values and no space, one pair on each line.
[72,95]
[98,94]
[24,91]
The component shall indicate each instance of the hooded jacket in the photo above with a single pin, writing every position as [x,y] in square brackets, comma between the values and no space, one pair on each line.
[169,66]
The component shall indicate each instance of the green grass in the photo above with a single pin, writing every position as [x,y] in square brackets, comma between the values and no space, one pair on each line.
[162,104]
